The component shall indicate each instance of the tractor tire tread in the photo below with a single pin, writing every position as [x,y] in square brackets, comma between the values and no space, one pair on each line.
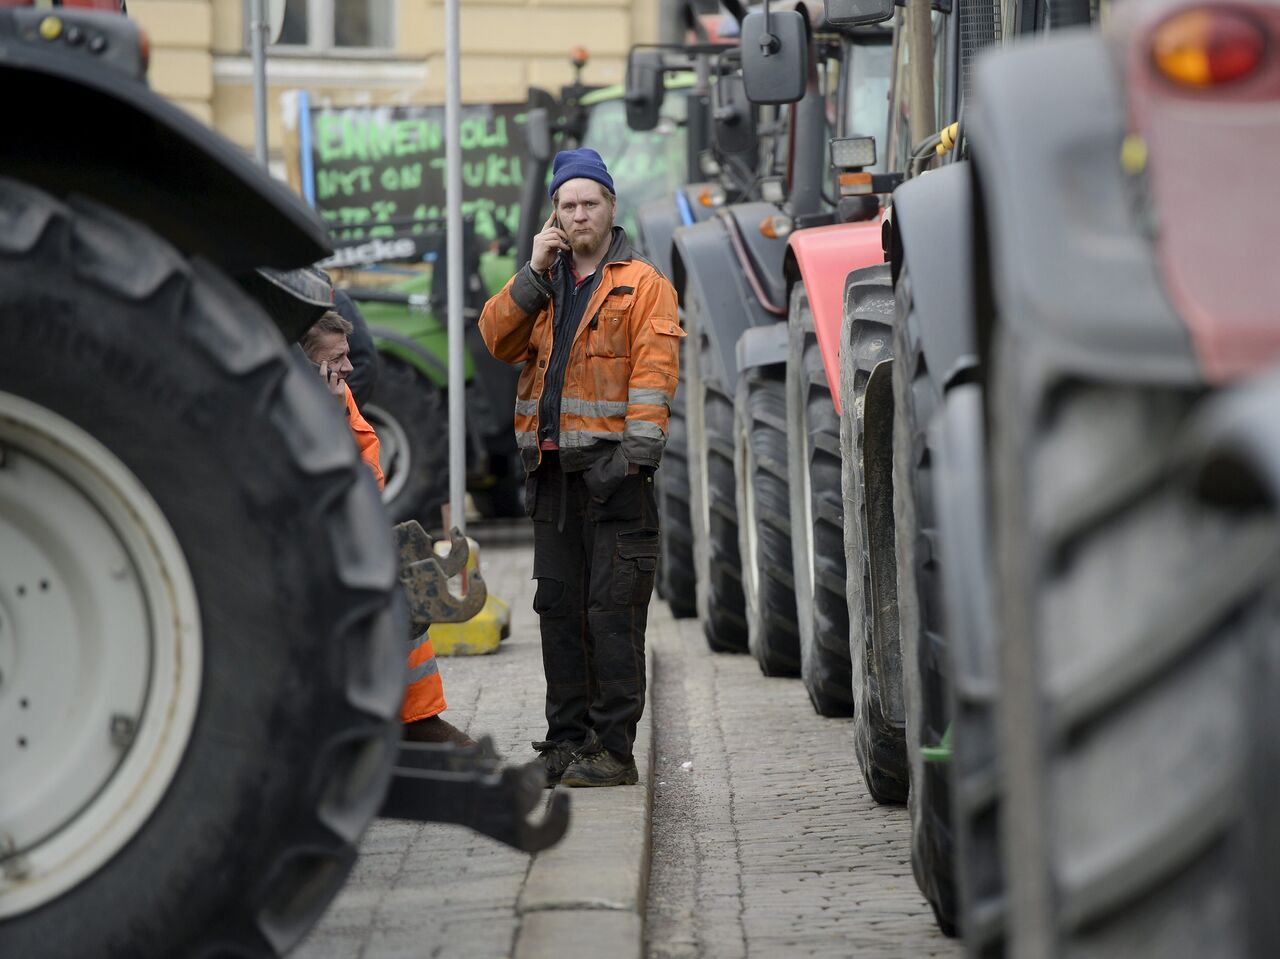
[866,341]
[137,281]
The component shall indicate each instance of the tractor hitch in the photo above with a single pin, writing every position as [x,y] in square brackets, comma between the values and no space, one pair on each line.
[424,577]
[441,782]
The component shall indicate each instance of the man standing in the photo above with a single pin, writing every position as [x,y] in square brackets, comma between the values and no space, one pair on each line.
[596,329]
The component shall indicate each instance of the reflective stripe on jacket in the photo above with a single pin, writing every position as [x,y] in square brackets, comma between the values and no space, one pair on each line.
[423,687]
[623,366]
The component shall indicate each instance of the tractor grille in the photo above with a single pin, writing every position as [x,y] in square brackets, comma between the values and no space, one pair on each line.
[979,29]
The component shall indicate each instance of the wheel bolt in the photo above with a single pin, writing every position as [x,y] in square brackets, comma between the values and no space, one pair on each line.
[122,729]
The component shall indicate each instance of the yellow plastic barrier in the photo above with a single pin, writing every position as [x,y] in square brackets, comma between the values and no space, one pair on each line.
[483,632]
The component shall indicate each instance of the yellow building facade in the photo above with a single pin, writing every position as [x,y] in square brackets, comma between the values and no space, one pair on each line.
[380,51]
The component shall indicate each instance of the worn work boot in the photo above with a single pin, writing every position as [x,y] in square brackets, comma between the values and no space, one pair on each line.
[601,768]
[433,729]
[555,758]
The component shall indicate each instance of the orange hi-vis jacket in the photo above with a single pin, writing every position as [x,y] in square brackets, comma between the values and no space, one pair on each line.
[623,365]
[365,438]
[424,689]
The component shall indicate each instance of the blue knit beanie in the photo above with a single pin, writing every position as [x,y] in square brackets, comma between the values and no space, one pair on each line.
[571,164]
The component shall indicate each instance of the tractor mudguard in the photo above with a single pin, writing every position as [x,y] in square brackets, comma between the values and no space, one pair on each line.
[413,352]
[823,257]
[764,254]
[715,294]
[79,127]
[656,221]
[404,326]
[295,299]
[932,231]
[763,346]
[1071,264]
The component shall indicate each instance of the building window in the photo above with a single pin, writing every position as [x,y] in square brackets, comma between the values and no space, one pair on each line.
[335,26]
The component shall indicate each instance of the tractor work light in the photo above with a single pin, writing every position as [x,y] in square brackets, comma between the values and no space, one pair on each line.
[1207,47]
[853,153]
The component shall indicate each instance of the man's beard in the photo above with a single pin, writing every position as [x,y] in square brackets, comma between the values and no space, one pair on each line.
[585,244]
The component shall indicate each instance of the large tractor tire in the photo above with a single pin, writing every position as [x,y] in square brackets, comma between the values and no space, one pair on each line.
[925,669]
[725,625]
[760,441]
[408,414]
[817,519]
[871,579]
[197,587]
[1141,665]
[960,492]
[677,580]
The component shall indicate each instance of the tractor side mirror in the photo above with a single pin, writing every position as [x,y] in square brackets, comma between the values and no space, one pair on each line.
[537,133]
[775,56]
[644,89]
[734,117]
[852,13]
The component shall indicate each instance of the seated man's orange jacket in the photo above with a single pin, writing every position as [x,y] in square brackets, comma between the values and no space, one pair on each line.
[424,689]
[365,438]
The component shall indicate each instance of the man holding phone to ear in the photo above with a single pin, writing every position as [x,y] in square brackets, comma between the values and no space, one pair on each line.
[596,329]
[326,346]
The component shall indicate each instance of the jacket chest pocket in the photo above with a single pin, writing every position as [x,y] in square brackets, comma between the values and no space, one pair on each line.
[607,333]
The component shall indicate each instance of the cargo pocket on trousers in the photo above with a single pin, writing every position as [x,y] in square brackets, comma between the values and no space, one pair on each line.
[635,563]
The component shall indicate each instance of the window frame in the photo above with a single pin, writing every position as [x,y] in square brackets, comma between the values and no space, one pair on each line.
[322,23]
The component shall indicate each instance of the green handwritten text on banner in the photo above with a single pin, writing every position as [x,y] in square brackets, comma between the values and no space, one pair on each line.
[380,171]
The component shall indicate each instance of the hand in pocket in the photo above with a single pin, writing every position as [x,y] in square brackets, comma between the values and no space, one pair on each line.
[605,475]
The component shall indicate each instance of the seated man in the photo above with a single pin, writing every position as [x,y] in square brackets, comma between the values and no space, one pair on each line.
[326,346]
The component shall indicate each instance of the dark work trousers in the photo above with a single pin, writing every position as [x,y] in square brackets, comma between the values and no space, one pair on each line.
[594,560]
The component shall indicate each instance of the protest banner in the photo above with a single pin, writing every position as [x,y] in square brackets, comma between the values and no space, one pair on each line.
[379,171]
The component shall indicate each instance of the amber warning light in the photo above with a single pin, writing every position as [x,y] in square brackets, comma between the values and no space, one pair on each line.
[1207,47]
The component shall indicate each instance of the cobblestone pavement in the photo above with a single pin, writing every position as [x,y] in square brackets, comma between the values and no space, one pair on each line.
[433,890]
[769,845]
